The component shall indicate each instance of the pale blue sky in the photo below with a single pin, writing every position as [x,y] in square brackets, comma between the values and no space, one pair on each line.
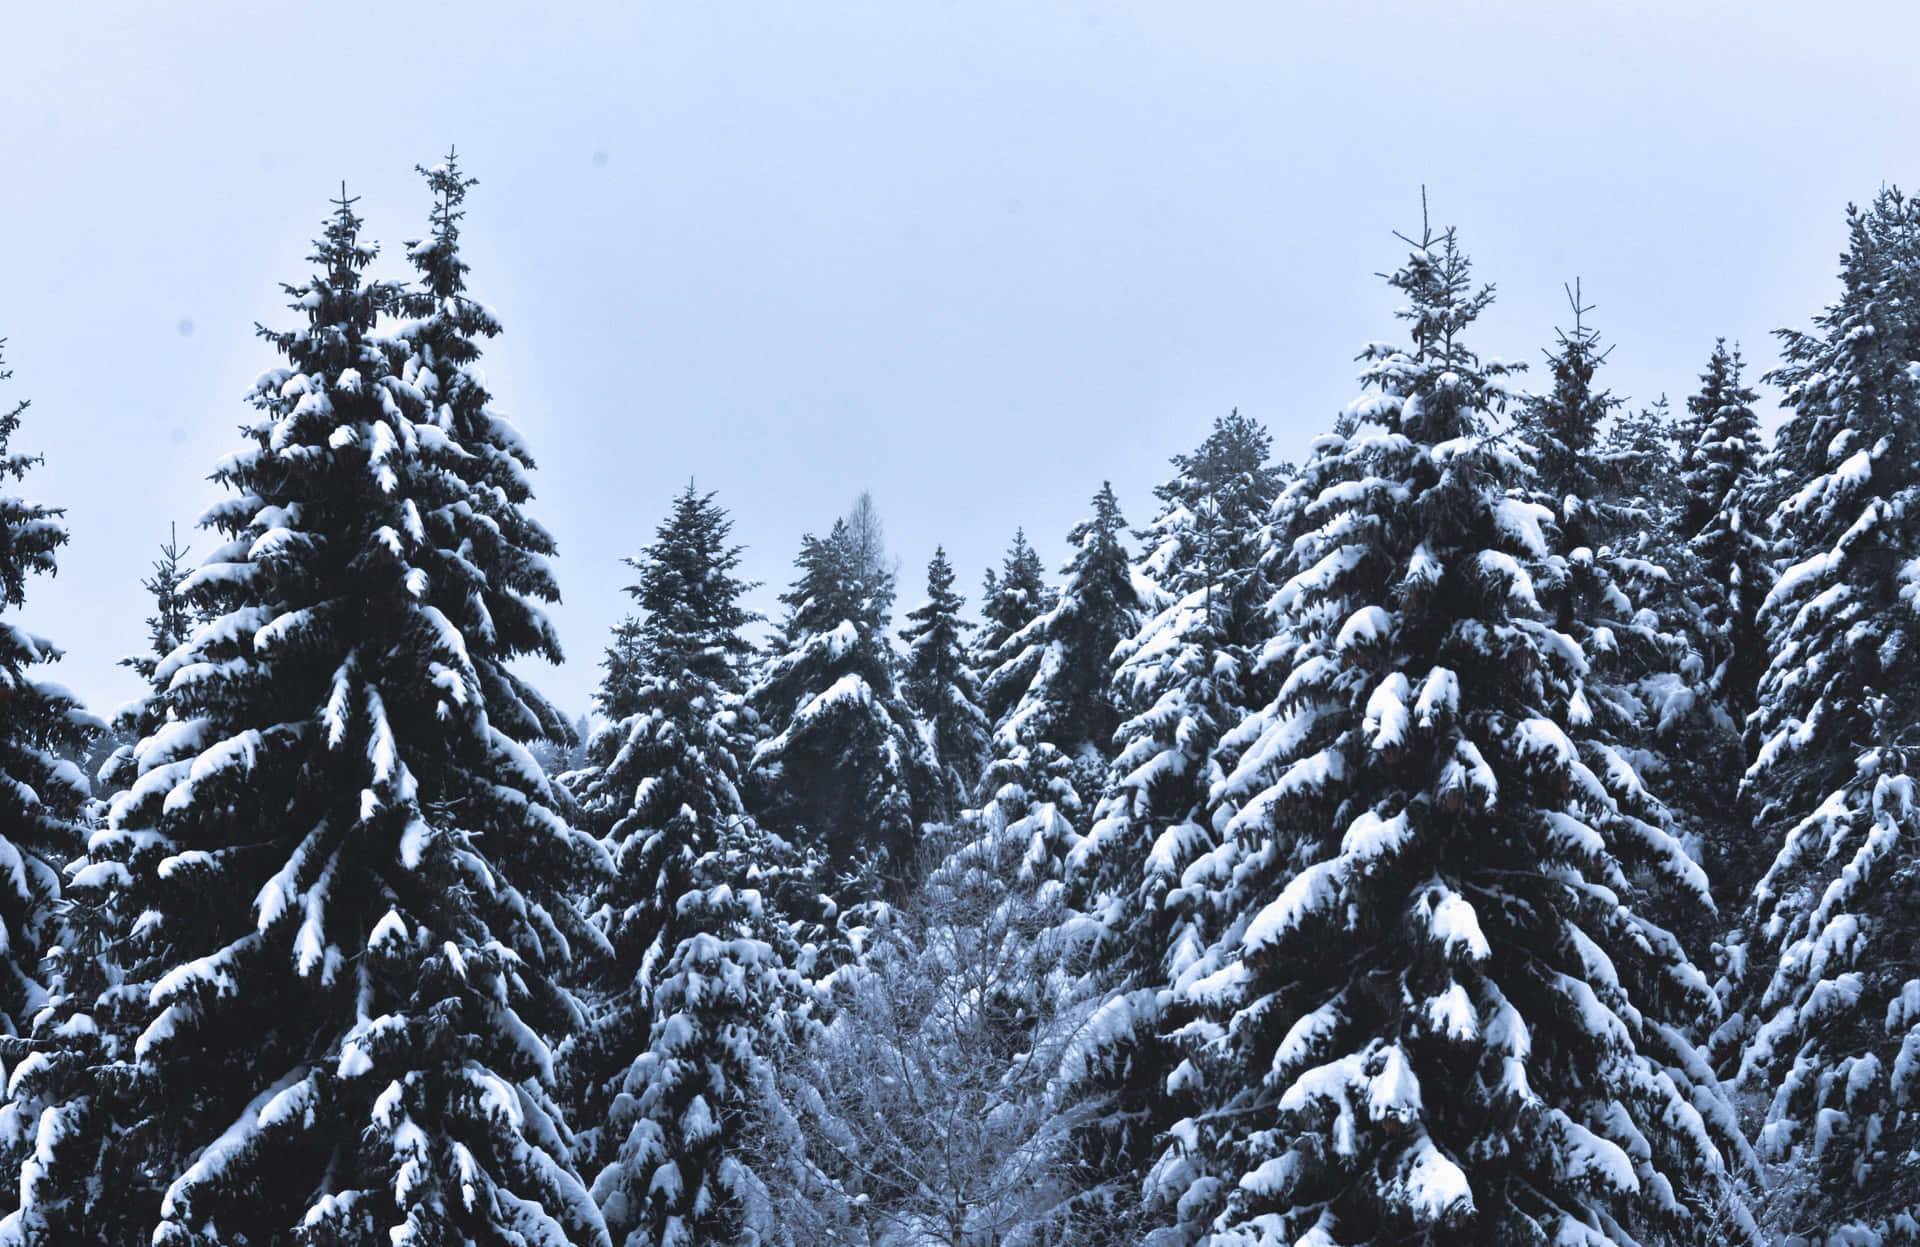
[975,256]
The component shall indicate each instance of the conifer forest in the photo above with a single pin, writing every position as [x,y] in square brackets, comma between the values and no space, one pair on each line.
[1493,821]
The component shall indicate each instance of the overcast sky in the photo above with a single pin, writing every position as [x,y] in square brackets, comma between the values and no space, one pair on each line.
[973,255]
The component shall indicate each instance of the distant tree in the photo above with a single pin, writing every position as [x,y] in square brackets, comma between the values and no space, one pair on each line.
[843,771]
[1720,475]
[1062,662]
[619,685]
[661,785]
[938,684]
[167,630]
[1008,603]
[1185,678]
[172,618]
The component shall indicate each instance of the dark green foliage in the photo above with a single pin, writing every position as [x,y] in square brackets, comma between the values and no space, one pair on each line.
[843,771]
[42,827]
[1062,662]
[1730,565]
[1834,951]
[344,877]
[1434,1012]
[662,786]
[938,684]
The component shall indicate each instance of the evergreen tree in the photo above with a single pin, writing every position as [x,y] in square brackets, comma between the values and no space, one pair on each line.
[662,784]
[1643,450]
[1837,933]
[681,1174]
[168,626]
[617,695]
[42,729]
[1062,662]
[1730,564]
[1599,592]
[1185,675]
[1211,512]
[844,772]
[44,796]
[1435,1012]
[938,684]
[1009,602]
[348,870]
[167,630]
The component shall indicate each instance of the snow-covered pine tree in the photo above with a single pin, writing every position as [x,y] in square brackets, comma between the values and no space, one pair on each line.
[1062,662]
[43,730]
[1435,1013]
[683,1123]
[1211,511]
[938,683]
[1713,539]
[662,785]
[621,666]
[1837,939]
[1638,455]
[42,793]
[1731,571]
[344,863]
[843,773]
[1602,591]
[43,825]
[172,619]
[167,630]
[1009,602]
[1184,675]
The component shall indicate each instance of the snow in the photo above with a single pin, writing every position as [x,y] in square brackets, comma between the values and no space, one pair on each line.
[1387,718]
[1452,1014]
[1436,1188]
[1452,923]
[1520,522]
[1370,625]
[1310,891]
[1439,697]
[1393,1092]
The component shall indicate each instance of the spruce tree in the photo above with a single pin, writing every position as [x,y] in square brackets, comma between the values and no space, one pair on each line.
[167,630]
[938,684]
[1598,591]
[1836,944]
[171,620]
[1211,511]
[348,870]
[1009,602]
[1062,662]
[1730,564]
[45,952]
[43,729]
[843,772]
[1185,676]
[616,698]
[1435,1012]
[684,1121]
[662,785]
